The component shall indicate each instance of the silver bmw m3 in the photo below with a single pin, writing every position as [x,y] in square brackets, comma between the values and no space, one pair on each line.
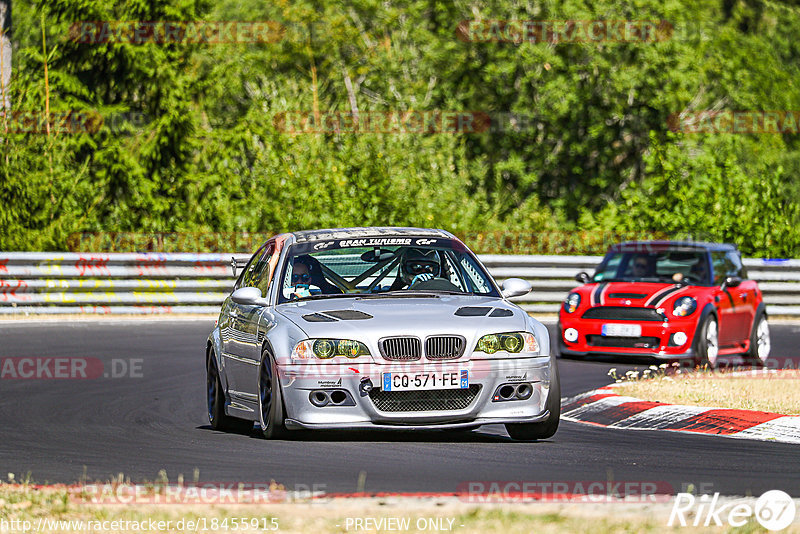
[377,328]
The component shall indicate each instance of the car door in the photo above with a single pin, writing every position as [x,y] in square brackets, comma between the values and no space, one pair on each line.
[744,297]
[239,339]
[230,312]
[724,299]
[251,324]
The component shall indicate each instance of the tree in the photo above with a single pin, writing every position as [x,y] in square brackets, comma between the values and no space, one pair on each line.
[5,53]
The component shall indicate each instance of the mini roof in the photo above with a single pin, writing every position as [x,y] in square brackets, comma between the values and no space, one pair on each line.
[664,245]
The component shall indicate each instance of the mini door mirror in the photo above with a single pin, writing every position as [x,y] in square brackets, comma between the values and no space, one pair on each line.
[515,287]
[731,281]
[582,277]
[248,296]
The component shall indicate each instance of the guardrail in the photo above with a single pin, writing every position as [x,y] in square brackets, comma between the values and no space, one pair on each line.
[153,283]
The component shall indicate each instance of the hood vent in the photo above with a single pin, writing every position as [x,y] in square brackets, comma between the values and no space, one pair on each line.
[348,315]
[336,315]
[483,311]
[318,318]
[473,311]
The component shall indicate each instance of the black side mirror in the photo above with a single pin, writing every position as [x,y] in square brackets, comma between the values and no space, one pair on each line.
[731,281]
[582,277]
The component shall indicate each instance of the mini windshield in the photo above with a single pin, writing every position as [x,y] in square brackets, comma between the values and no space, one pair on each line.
[671,266]
[385,266]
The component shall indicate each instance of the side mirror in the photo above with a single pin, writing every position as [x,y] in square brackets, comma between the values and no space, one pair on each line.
[731,281]
[582,277]
[515,287]
[249,296]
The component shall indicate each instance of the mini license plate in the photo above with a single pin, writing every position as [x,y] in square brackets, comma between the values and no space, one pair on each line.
[622,330]
[423,381]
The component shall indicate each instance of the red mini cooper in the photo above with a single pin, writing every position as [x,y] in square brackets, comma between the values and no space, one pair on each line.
[667,300]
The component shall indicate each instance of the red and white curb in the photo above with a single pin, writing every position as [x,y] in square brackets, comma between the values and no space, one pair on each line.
[604,407]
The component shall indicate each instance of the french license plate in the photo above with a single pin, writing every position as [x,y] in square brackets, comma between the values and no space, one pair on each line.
[622,330]
[423,381]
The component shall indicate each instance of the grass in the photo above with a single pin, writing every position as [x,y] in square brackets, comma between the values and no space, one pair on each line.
[776,392]
[21,502]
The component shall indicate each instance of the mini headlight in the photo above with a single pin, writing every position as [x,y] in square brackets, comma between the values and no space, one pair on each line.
[572,302]
[513,342]
[684,306]
[325,349]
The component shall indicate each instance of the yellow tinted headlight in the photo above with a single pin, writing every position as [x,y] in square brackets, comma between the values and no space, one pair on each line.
[326,349]
[512,342]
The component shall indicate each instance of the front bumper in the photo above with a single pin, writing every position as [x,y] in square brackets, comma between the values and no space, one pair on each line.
[655,338]
[299,381]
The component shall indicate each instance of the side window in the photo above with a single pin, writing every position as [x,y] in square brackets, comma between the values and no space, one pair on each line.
[720,268]
[262,274]
[736,262]
[725,265]
[246,276]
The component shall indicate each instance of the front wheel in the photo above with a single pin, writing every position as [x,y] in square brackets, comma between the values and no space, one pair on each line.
[707,348]
[760,343]
[269,399]
[548,427]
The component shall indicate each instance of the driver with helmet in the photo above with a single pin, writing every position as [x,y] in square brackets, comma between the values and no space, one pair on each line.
[417,266]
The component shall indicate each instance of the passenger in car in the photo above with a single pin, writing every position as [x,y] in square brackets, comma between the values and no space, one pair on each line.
[307,272]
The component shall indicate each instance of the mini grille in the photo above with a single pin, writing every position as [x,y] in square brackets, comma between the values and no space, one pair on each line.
[623,342]
[444,347]
[401,348]
[623,313]
[424,401]
[634,296]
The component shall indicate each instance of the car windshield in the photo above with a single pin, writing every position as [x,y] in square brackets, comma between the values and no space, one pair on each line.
[671,266]
[377,267]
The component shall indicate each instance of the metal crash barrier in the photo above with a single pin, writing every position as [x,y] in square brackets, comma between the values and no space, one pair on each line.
[187,283]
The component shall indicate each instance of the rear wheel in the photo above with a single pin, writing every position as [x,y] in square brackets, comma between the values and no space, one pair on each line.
[269,399]
[215,398]
[548,427]
[760,343]
[707,348]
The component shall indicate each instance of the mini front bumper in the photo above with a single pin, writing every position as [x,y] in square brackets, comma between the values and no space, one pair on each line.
[590,330]
[299,381]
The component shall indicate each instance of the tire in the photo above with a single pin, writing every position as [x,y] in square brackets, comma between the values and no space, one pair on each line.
[270,403]
[760,342]
[215,399]
[707,345]
[544,429]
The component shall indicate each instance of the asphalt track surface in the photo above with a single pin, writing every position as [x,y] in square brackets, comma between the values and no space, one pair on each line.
[72,430]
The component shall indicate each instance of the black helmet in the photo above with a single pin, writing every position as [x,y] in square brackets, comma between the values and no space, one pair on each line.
[417,261]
